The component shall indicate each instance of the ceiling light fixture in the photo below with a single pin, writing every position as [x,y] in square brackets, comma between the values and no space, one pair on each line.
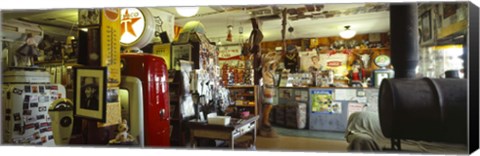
[347,33]
[187,11]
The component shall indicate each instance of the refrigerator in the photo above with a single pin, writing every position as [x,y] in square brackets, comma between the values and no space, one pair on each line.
[26,96]
[146,85]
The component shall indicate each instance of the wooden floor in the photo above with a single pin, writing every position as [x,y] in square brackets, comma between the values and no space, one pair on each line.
[300,144]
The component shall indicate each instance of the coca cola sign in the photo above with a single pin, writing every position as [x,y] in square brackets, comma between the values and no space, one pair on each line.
[334,63]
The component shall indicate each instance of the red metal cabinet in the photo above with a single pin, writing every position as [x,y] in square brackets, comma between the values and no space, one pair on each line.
[152,71]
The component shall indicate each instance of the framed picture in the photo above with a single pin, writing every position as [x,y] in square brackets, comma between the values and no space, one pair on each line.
[426,27]
[180,52]
[89,17]
[90,92]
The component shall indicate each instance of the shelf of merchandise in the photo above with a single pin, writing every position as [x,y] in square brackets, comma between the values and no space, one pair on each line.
[237,92]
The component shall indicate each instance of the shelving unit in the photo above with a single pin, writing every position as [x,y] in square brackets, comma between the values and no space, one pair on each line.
[245,98]
[178,129]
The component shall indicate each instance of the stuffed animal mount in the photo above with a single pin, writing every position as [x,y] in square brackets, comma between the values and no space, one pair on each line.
[122,137]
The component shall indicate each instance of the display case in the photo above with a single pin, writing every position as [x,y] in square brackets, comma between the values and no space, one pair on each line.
[245,98]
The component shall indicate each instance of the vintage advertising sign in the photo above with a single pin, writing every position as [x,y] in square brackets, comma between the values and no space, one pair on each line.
[163,50]
[309,61]
[132,25]
[229,55]
[110,37]
[136,27]
[336,62]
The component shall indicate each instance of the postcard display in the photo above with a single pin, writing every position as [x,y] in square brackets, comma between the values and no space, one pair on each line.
[329,108]
[26,97]
[204,78]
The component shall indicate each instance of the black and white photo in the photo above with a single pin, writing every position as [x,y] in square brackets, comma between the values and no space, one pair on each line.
[90,92]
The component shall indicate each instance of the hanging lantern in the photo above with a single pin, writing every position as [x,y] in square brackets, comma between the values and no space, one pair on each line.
[229,35]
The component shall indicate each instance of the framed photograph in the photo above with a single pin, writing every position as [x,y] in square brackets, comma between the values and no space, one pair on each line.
[89,17]
[90,92]
[180,52]
[426,27]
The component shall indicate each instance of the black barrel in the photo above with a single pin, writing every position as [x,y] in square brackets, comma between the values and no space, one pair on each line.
[424,109]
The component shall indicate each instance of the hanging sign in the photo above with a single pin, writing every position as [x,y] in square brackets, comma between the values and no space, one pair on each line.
[229,55]
[137,28]
[229,52]
[110,36]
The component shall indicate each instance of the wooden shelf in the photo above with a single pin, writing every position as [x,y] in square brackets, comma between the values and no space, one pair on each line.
[57,62]
[234,87]
[245,105]
[244,93]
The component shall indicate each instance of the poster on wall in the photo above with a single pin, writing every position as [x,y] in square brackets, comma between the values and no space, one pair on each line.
[355,107]
[321,100]
[309,61]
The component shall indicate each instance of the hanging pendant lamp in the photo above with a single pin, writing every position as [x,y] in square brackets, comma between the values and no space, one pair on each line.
[347,33]
[229,35]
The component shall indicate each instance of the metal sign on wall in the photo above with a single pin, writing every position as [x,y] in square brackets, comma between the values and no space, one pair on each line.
[110,37]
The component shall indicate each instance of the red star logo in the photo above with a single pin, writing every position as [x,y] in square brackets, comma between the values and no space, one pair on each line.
[127,22]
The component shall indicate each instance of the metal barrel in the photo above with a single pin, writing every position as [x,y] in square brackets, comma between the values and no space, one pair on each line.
[424,109]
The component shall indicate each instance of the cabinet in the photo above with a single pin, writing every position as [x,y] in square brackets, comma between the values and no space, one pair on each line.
[245,98]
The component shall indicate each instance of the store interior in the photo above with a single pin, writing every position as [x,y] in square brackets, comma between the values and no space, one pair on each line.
[316,78]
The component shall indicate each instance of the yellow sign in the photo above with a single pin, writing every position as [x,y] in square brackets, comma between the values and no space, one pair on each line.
[163,50]
[110,42]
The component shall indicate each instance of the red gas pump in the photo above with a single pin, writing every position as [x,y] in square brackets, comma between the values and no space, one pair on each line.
[152,72]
